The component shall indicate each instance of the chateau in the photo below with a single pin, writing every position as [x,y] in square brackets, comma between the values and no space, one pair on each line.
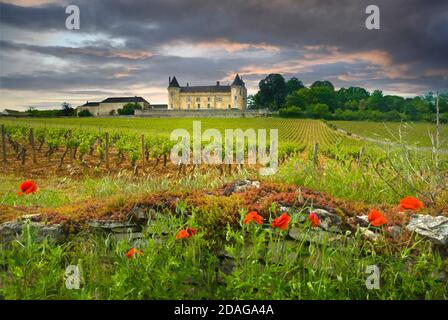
[217,96]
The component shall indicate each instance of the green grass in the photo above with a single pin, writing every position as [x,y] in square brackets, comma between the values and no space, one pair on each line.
[57,191]
[259,263]
[407,133]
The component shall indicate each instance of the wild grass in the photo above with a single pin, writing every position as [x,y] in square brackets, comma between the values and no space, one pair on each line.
[252,262]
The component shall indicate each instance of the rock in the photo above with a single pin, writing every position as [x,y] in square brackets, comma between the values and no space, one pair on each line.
[369,234]
[394,231]
[285,209]
[328,221]
[433,228]
[114,226]
[314,235]
[53,231]
[31,217]
[362,221]
[240,186]
[12,230]
[130,237]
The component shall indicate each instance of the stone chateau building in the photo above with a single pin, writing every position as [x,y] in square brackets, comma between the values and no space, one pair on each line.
[217,96]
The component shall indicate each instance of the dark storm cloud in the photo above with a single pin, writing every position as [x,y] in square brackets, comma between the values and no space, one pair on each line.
[413,34]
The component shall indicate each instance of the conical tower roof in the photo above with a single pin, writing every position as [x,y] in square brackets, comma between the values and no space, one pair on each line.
[174,83]
[238,81]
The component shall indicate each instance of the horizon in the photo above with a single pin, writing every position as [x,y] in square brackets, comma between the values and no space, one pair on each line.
[131,49]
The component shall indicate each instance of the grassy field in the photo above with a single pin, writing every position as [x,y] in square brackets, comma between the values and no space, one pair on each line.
[227,259]
[418,134]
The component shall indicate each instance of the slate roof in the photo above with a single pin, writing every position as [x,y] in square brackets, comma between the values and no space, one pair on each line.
[159,106]
[124,100]
[210,89]
[174,83]
[91,104]
[238,81]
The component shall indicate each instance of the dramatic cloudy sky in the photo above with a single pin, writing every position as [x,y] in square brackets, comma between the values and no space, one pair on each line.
[131,47]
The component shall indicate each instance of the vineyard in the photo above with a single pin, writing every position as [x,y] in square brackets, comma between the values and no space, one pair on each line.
[416,134]
[109,147]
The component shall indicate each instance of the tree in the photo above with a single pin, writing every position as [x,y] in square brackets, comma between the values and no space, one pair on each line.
[443,102]
[376,101]
[67,109]
[272,92]
[129,109]
[322,83]
[251,102]
[349,95]
[325,95]
[293,85]
[300,98]
[318,111]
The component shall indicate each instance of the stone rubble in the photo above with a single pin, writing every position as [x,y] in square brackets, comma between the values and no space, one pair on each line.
[433,228]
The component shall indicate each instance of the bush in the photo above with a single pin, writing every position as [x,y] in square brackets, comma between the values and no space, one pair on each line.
[128,109]
[291,112]
[84,113]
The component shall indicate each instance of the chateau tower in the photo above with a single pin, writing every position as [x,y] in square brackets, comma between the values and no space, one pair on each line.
[238,93]
[173,93]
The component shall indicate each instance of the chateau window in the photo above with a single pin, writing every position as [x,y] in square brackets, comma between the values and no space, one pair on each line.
[199,106]
[219,99]
[209,99]
[208,105]
[235,98]
[188,106]
[188,99]
[198,99]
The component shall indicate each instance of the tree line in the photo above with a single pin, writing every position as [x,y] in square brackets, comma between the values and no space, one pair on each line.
[67,111]
[322,101]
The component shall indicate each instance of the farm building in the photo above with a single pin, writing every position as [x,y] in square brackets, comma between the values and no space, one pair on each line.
[110,106]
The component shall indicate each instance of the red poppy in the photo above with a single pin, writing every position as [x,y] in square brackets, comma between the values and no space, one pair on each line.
[315,221]
[186,233]
[253,216]
[281,222]
[410,203]
[192,231]
[131,253]
[376,218]
[27,187]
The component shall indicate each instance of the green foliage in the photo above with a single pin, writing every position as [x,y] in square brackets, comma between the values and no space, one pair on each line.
[293,85]
[272,93]
[353,103]
[258,263]
[84,113]
[129,109]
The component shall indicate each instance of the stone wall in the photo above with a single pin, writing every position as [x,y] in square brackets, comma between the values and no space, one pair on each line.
[203,113]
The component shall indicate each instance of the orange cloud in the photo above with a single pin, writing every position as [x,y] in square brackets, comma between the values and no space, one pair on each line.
[231,47]
[381,59]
